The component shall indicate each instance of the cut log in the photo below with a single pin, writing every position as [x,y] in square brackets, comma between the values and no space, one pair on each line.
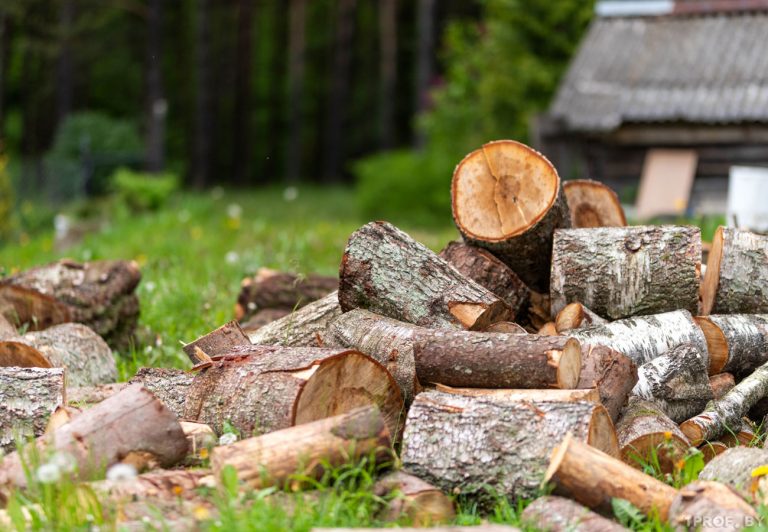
[711,449]
[15,353]
[506,327]
[558,514]
[262,318]
[721,384]
[496,360]
[387,272]
[22,306]
[304,450]
[557,396]
[744,435]
[170,386]
[737,343]
[611,373]
[644,338]
[270,289]
[268,388]
[469,444]
[620,272]
[576,316]
[710,507]
[593,204]
[726,413]
[507,198]
[199,436]
[87,396]
[161,484]
[482,267]
[594,478]
[737,273]
[218,342]
[548,329]
[7,330]
[422,503]
[677,381]
[734,467]
[131,426]
[539,310]
[60,417]
[28,396]
[303,328]
[644,431]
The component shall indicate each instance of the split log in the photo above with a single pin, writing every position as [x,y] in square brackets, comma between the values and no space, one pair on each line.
[677,381]
[644,431]
[737,343]
[539,310]
[530,395]
[303,450]
[721,384]
[644,338]
[548,329]
[263,317]
[506,327]
[482,267]
[268,388]
[28,396]
[23,306]
[576,316]
[270,289]
[387,272]
[612,374]
[737,274]
[87,396]
[220,341]
[464,445]
[710,507]
[593,204]
[557,514]
[726,413]
[60,417]
[303,328]
[620,272]
[131,426]
[711,449]
[496,360]
[734,468]
[507,198]
[422,503]
[170,386]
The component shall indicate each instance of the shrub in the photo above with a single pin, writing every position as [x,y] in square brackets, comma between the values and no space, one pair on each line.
[142,191]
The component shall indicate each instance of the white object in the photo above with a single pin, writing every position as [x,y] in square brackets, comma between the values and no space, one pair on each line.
[748,198]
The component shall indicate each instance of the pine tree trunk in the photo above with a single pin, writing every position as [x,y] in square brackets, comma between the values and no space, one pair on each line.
[737,343]
[576,316]
[423,504]
[270,289]
[593,204]
[557,514]
[612,374]
[170,386]
[304,328]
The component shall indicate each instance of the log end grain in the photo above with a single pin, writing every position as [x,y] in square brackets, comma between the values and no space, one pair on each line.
[712,277]
[593,204]
[717,344]
[568,364]
[17,354]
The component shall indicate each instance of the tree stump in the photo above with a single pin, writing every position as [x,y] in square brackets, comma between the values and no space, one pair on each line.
[593,204]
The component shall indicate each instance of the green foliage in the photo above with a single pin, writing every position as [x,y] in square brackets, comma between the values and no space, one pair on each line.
[627,513]
[142,191]
[7,221]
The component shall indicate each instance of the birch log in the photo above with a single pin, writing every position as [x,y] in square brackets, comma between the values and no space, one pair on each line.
[482,267]
[737,343]
[558,514]
[169,385]
[387,272]
[620,272]
[420,502]
[576,316]
[270,289]
[303,328]
[507,198]
[611,373]
[220,341]
[737,273]
[593,204]
[28,396]
[465,445]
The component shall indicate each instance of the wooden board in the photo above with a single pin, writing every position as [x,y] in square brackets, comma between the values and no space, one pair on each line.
[665,186]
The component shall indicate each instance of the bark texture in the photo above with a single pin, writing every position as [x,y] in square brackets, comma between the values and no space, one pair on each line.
[558,396]
[506,327]
[270,289]
[303,328]
[576,316]
[593,204]
[423,504]
[221,341]
[620,272]
[87,396]
[27,397]
[734,468]
[709,507]
[739,341]
[387,272]
[612,374]
[558,514]
[169,385]
[467,444]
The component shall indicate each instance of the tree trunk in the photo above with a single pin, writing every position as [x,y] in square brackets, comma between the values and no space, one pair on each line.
[557,514]
[726,413]
[156,103]
[611,373]
[737,343]
[170,386]
[203,113]
[710,507]
[387,72]
[644,338]
[558,396]
[734,468]
[593,204]
[497,360]
[296,67]
[677,381]
[27,397]
[421,503]
[489,272]
[304,328]
[737,274]
[269,388]
[241,130]
[594,479]
[425,35]
[464,444]
[222,341]
[576,316]
[721,384]
[507,198]
[304,450]
[385,271]
[620,272]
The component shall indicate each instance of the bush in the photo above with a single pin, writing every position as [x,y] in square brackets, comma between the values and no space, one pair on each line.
[142,191]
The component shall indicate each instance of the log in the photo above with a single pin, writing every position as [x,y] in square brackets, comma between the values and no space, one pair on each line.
[217,342]
[612,374]
[87,396]
[387,272]
[28,396]
[131,426]
[593,478]
[644,338]
[465,445]
[170,386]
[506,327]
[199,436]
[593,204]
[721,384]
[737,343]
[262,318]
[539,310]
[7,330]
[645,432]
[743,434]
[496,360]
[304,450]
[677,381]
[170,484]
[23,306]
[576,316]
[726,413]
[482,267]
[712,449]
[269,388]
[558,514]
[558,396]
[60,416]
[710,506]
[507,198]
[303,328]
[270,289]
[548,329]
[737,274]
[733,467]
[620,272]
[420,502]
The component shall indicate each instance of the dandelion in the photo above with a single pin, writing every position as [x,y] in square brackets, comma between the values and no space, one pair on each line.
[149,286]
[668,435]
[760,471]
[146,519]
[290,193]
[227,439]
[680,464]
[232,257]
[196,233]
[204,453]
[65,462]
[201,513]
[177,490]
[120,472]
[234,210]
[48,473]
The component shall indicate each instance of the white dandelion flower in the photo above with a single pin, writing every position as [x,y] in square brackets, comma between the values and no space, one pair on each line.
[120,472]
[65,461]
[48,473]
[227,439]
[234,210]
[290,193]
[232,257]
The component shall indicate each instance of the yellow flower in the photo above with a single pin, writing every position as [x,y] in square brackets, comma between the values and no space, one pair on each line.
[760,471]
[178,490]
[668,435]
[204,453]
[201,513]
[680,464]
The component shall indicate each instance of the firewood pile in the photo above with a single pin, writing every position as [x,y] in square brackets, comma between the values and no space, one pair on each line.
[553,345]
